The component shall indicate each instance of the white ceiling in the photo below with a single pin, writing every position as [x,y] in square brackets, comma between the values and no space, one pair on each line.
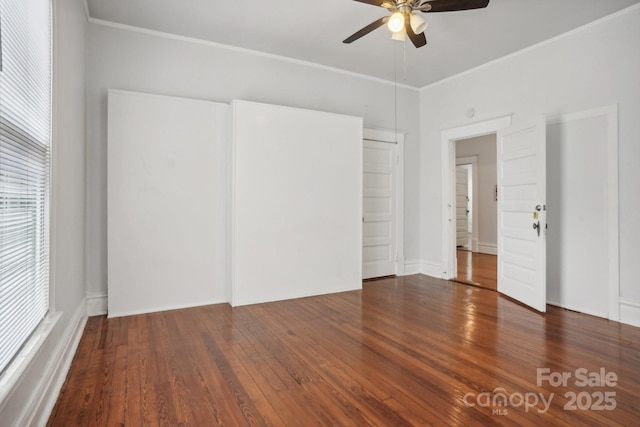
[313,30]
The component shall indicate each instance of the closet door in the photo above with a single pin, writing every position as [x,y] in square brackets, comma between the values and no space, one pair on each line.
[379,210]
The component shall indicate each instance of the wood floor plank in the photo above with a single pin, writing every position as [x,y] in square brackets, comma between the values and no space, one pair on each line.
[408,351]
[477,269]
[363,378]
[337,385]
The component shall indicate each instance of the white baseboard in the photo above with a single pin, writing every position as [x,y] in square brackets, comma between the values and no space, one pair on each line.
[412,267]
[577,309]
[488,248]
[431,269]
[630,311]
[400,263]
[96,304]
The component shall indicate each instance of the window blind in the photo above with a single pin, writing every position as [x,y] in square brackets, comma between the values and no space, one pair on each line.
[25,111]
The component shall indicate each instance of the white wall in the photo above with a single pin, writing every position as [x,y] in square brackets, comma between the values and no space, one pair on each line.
[589,68]
[297,203]
[484,148]
[167,192]
[32,398]
[577,214]
[130,60]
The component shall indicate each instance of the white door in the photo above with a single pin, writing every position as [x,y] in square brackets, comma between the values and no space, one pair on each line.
[462,207]
[521,213]
[378,209]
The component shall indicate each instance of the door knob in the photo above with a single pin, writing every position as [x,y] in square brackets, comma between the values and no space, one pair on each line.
[536,226]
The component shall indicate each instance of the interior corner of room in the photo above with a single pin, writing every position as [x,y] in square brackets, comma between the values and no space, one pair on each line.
[188,173]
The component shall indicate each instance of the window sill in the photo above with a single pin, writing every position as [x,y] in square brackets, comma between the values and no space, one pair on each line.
[12,377]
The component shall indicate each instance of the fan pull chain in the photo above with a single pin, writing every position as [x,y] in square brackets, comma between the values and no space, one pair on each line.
[395,92]
[404,60]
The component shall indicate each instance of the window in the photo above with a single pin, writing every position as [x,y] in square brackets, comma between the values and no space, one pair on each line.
[25,122]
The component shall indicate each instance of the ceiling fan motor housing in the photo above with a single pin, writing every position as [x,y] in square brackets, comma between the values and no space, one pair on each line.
[406,7]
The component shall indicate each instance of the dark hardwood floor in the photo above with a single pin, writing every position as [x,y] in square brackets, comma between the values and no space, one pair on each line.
[477,269]
[403,351]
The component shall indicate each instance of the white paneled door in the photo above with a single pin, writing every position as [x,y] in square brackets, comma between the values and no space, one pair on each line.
[522,213]
[380,170]
[462,207]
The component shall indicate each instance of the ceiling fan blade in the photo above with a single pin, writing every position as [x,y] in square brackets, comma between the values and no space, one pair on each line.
[366,30]
[418,40]
[372,2]
[453,5]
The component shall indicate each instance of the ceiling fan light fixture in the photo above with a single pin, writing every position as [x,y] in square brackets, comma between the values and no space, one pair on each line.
[396,22]
[399,35]
[418,24]
[402,16]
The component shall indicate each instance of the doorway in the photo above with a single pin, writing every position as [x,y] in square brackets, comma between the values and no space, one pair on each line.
[476,211]
[521,252]
[571,161]
[449,245]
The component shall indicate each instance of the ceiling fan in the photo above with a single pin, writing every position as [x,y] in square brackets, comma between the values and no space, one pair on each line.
[404,22]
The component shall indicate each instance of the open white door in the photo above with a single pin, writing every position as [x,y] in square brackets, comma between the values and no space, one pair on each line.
[462,207]
[522,213]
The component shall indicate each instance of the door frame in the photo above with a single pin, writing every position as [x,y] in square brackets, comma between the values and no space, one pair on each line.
[394,137]
[448,139]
